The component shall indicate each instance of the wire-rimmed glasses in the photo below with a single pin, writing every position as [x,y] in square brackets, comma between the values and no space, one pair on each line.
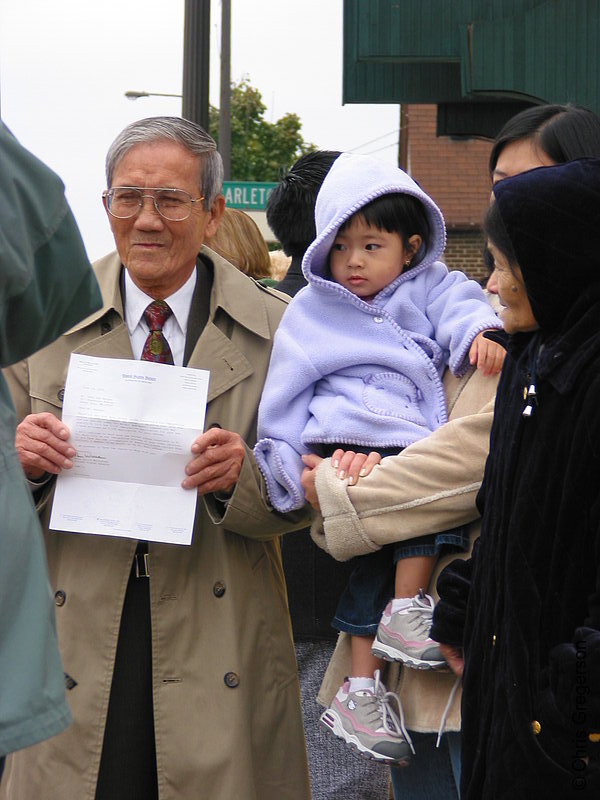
[124,202]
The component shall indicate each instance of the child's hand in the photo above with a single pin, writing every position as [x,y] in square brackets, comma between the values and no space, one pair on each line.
[487,355]
[307,479]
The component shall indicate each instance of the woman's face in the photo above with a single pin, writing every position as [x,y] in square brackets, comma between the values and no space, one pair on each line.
[519,156]
[514,158]
[516,314]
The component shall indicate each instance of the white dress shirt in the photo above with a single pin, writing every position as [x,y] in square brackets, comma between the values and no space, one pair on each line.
[174,330]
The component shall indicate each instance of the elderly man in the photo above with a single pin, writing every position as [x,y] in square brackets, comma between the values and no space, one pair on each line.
[179,660]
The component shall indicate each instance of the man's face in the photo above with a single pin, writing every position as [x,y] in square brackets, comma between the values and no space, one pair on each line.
[160,255]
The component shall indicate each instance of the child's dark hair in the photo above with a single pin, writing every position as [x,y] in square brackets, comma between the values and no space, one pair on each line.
[395,213]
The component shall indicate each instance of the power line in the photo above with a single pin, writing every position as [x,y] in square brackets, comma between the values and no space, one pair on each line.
[372,141]
[379,149]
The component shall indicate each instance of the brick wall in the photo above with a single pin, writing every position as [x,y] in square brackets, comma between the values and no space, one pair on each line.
[463,251]
[455,174]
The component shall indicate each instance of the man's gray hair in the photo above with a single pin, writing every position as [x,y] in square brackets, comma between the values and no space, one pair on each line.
[178,130]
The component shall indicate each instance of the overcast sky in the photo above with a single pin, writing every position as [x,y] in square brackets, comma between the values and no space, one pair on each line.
[66,64]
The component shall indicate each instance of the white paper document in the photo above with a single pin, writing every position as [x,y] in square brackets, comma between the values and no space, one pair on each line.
[132,426]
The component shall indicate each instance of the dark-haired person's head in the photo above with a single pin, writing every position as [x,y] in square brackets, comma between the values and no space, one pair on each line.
[542,136]
[291,204]
[395,213]
[543,233]
[379,242]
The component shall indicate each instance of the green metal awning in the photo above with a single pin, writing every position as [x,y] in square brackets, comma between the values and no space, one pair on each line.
[479,60]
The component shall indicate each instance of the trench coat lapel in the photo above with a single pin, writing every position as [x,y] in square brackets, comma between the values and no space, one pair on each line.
[114,342]
[214,350]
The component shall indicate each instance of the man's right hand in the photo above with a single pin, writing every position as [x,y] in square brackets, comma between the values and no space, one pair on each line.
[42,445]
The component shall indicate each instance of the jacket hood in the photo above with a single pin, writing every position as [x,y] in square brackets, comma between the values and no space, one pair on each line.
[351,183]
[552,218]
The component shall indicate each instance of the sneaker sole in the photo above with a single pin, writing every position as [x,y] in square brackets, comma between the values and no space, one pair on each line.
[333,725]
[388,653]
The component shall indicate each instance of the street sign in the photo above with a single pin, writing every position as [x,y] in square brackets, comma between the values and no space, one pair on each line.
[247,195]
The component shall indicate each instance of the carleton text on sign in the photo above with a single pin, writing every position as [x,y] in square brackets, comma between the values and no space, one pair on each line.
[247,195]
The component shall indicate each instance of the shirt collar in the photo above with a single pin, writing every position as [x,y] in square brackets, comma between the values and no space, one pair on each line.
[137,302]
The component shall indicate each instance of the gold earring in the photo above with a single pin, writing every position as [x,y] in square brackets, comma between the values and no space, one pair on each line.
[407,263]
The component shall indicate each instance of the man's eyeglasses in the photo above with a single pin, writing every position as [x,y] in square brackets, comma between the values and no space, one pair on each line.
[125,202]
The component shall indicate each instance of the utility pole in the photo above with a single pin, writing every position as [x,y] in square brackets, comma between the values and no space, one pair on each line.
[225,105]
[403,138]
[196,61]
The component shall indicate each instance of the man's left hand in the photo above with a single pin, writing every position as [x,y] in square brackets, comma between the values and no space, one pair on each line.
[217,461]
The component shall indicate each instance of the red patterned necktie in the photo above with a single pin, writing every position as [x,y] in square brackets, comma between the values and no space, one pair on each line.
[156,347]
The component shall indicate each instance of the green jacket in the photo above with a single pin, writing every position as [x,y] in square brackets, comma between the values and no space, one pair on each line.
[46,286]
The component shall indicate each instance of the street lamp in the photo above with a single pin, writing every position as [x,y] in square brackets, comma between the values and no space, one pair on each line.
[131,95]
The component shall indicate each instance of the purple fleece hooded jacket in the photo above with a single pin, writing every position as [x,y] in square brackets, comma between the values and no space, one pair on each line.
[347,371]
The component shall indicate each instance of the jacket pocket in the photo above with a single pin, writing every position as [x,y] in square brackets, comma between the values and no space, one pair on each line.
[393,395]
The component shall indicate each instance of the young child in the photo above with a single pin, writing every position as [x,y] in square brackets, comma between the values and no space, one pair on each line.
[357,364]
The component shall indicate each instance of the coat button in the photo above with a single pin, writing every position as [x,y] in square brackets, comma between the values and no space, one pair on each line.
[377,319]
[219,589]
[493,640]
[232,680]
[60,598]
[61,394]
[536,727]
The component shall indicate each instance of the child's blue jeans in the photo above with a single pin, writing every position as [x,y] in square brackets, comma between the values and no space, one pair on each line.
[371,584]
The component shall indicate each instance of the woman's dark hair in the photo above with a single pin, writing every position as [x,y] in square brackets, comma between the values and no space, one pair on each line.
[395,213]
[495,233]
[562,132]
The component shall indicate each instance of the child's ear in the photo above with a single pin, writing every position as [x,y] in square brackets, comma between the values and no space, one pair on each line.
[414,242]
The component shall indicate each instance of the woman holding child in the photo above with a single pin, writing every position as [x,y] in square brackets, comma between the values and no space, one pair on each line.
[433,483]
[358,360]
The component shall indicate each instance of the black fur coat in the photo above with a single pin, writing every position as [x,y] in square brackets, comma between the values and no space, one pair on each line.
[526,606]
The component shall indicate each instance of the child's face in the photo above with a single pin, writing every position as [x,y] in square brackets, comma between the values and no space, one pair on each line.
[364,259]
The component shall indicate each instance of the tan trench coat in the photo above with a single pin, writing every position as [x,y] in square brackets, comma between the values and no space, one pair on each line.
[430,487]
[226,699]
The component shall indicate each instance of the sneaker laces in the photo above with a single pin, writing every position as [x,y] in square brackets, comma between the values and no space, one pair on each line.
[393,721]
[447,709]
[421,612]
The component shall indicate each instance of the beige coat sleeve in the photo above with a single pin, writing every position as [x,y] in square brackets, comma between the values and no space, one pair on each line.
[429,487]
[249,511]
